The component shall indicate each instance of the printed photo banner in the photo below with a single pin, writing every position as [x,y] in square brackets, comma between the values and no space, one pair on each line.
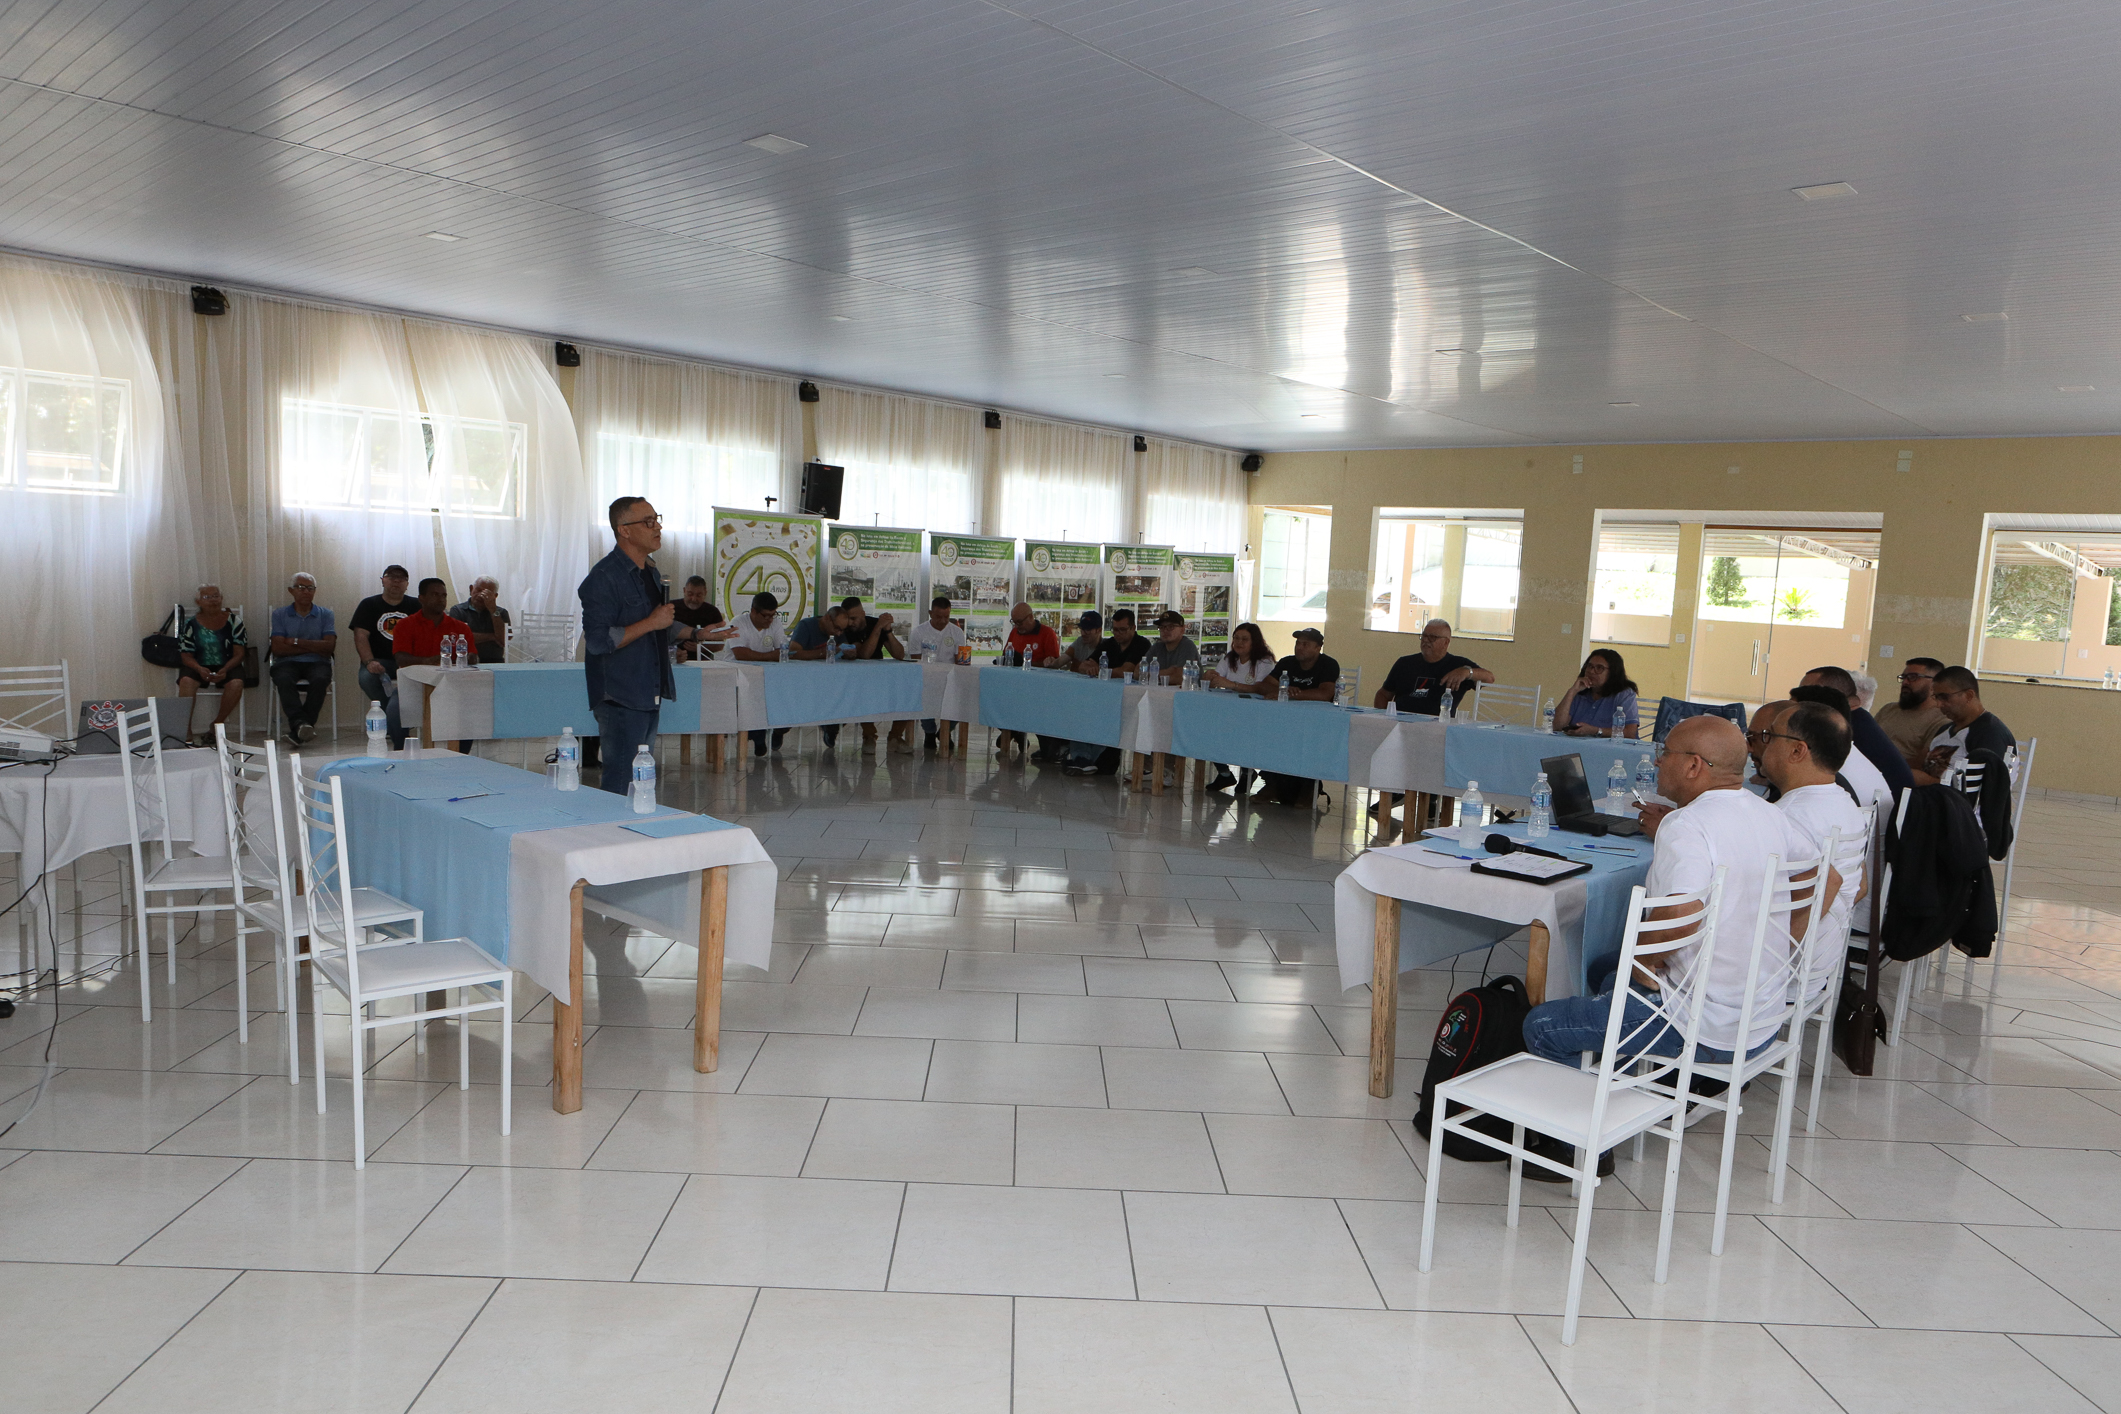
[755,551]
[979,575]
[1139,577]
[1206,584]
[881,566]
[1061,580]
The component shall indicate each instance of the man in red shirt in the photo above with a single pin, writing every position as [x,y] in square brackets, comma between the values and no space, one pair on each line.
[417,641]
[1028,635]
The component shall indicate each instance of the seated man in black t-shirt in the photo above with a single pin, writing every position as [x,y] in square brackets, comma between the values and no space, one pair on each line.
[1311,675]
[1419,681]
[1120,651]
[1968,726]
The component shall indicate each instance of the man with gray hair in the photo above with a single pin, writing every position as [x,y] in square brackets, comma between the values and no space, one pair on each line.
[305,635]
[1421,681]
[487,619]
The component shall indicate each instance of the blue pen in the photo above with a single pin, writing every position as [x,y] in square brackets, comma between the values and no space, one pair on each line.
[475,795]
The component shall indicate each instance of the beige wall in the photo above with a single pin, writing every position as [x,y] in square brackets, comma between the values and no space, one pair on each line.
[1929,562]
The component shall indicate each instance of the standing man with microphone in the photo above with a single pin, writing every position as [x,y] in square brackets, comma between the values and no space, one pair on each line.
[626,634]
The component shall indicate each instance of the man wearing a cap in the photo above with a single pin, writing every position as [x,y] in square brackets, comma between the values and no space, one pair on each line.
[1311,675]
[1172,649]
[1080,656]
[759,640]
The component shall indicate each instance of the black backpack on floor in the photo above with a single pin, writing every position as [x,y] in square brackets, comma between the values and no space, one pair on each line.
[1479,1027]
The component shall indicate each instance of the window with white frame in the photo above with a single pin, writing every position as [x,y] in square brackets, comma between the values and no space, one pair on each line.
[1634,582]
[2052,605]
[684,480]
[1294,547]
[334,456]
[63,431]
[1460,566]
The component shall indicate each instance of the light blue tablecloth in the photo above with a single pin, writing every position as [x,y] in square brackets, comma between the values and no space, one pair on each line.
[436,854]
[1295,738]
[800,694]
[1067,706]
[1505,759]
[539,699]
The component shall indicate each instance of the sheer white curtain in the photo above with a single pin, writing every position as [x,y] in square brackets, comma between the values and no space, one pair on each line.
[1193,497]
[910,461]
[98,541]
[689,437]
[1062,479]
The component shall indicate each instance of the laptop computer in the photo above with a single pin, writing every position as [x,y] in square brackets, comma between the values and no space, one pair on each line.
[1572,800]
[98,734]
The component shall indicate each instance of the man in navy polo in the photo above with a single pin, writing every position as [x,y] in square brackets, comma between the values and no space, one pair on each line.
[626,618]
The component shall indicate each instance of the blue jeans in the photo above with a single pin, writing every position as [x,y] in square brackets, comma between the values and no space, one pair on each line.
[1563,1030]
[385,691]
[624,730]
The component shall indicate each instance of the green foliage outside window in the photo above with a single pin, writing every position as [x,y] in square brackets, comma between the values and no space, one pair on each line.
[2031,603]
[1726,589]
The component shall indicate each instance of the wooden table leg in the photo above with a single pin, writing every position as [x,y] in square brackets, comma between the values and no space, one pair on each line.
[1156,774]
[707,999]
[715,745]
[567,1017]
[964,738]
[427,714]
[1535,965]
[685,749]
[1384,996]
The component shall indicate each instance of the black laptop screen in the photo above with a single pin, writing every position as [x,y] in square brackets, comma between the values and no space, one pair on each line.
[1572,791]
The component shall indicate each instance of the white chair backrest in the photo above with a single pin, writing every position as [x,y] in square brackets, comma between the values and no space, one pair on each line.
[327,869]
[1496,702]
[146,783]
[38,700]
[2021,779]
[542,638]
[1828,946]
[1784,929]
[1681,930]
[257,816]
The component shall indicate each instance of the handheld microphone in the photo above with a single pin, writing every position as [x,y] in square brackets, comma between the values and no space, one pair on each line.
[1503,844]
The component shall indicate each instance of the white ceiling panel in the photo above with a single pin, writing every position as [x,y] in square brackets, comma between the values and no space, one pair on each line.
[1254,222]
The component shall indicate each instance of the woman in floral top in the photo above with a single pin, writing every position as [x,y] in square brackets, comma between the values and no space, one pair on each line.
[213,646]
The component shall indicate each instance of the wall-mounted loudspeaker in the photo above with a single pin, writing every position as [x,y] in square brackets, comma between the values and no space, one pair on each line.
[566,355]
[1141,443]
[992,420]
[1253,461]
[806,392]
[821,490]
[205,299]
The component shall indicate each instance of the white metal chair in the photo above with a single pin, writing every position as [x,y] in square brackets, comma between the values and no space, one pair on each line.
[257,861]
[2021,779]
[1594,1109]
[1853,859]
[542,638]
[38,699]
[1494,702]
[147,821]
[176,628]
[367,972]
[1778,963]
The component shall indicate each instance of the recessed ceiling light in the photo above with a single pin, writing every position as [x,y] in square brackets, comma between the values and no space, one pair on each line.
[442,236]
[1193,270]
[1623,405]
[774,143]
[1825,191]
[1312,414]
[1453,353]
[1115,375]
[840,318]
[2076,388]
[1996,318]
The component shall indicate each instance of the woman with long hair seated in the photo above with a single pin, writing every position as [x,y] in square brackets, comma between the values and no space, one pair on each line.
[1601,698]
[1248,666]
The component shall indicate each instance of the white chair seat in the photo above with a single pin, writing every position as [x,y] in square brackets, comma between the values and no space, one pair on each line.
[1555,1100]
[371,908]
[192,871]
[417,967]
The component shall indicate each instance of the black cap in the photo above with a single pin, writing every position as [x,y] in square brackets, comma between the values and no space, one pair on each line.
[1170,616]
[398,570]
[1092,619]
[1310,633]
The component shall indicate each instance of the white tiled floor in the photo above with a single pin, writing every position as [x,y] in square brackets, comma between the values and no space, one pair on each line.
[1050,1102]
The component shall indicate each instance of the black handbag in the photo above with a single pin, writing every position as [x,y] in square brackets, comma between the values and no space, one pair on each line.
[162,647]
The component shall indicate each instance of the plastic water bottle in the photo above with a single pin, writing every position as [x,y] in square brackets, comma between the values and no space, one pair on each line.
[1616,787]
[1546,716]
[1189,677]
[1449,707]
[642,792]
[1542,817]
[1104,668]
[1645,777]
[1283,695]
[378,730]
[1470,806]
[1027,659]
[1151,670]
[567,762]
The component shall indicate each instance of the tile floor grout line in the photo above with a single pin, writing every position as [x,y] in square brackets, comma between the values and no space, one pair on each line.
[661,1223]
[1769,1330]
[2017,1338]
[421,1392]
[736,1347]
[164,1344]
[134,1250]
[1813,1267]
[1979,1236]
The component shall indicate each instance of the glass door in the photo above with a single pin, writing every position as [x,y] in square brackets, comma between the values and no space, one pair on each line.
[1774,604]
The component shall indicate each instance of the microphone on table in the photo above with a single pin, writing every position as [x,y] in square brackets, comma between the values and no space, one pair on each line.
[1503,844]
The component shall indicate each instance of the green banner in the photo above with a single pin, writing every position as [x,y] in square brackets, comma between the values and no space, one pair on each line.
[1138,577]
[1205,586]
[1061,580]
[979,575]
[880,567]
[756,552]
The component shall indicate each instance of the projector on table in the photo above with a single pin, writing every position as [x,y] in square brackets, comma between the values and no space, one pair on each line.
[19,744]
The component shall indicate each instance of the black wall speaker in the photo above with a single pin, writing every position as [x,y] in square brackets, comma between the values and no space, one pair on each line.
[566,355]
[806,392]
[205,299]
[1253,461]
[821,490]
[992,420]
[1141,443]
